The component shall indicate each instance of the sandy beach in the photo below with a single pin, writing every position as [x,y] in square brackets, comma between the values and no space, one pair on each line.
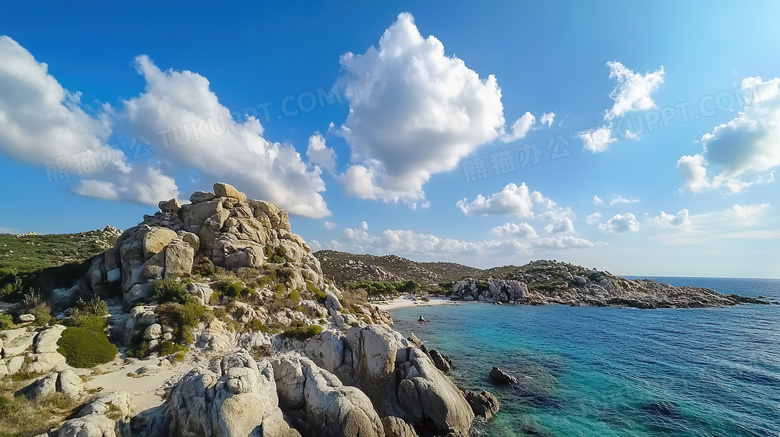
[402,302]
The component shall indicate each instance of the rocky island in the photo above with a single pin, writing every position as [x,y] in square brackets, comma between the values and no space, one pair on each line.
[542,282]
[213,318]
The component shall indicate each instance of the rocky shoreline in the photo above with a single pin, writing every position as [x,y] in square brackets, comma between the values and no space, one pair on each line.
[273,349]
[557,283]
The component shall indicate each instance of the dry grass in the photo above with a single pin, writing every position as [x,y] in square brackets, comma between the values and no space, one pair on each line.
[21,417]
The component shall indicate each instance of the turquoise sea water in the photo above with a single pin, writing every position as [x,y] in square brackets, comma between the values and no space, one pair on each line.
[587,371]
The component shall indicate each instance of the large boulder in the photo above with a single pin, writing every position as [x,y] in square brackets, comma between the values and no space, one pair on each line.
[65,382]
[156,240]
[380,358]
[239,399]
[483,403]
[46,340]
[397,427]
[497,374]
[16,341]
[331,408]
[226,190]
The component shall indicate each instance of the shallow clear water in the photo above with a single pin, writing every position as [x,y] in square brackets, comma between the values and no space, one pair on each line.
[587,371]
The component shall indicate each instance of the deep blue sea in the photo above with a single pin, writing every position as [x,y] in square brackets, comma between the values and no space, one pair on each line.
[587,371]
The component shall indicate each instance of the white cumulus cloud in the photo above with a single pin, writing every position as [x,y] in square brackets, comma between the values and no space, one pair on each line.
[43,123]
[520,127]
[620,223]
[548,118]
[633,90]
[597,140]
[188,127]
[593,218]
[743,151]
[680,220]
[413,112]
[515,230]
[39,119]
[512,199]
[597,200]
[618,199]
[320,154]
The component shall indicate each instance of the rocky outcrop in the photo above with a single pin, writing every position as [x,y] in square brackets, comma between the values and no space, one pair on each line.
[397,427]
[237,397]
[105,415]
[552,282]
[495,290]
[65,382]
[497,374]
[30,350]
[483,403]
[333,409]
[342,386]
[225,228]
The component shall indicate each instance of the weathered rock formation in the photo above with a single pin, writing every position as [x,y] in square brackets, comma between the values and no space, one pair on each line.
[223,227]
[552,282]
[347,373]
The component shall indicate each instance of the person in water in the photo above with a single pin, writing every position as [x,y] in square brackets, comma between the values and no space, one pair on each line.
[422,320]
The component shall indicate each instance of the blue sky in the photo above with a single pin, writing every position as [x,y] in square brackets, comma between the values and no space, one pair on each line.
[642,139]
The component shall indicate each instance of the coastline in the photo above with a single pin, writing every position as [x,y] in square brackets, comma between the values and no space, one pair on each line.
[401,302]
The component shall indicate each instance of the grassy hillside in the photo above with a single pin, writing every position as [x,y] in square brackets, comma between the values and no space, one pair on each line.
[342,267]
[48,261]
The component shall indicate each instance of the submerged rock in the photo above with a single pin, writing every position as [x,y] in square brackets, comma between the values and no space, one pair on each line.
[501,376]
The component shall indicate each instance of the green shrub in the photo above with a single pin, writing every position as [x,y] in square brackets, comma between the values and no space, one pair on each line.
[316,292]
[182,318]
[95,307]
[231,288]
[179,357]
[204,268]
[302,332]
[84,348]
[88,322]
[295,296]
[42,315]
[170,290]
[6,322]
[141,350]
[256,325]
[166,348]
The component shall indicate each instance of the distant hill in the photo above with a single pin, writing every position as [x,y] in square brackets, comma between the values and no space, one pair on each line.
[342,267]
[540,282]
[51,260]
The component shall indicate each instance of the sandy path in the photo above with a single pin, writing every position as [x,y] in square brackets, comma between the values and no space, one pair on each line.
[147,389]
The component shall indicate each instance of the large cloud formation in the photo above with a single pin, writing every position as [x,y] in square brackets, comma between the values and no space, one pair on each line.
[743,151]
[178,120]
[43,123]
[188,126]
[413,112]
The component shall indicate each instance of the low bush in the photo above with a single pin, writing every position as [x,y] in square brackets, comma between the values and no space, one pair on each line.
[301,332]
[256,325]
[168,348]
[84,348]
[232,287]
[295,296]
[94,306]
[204,268]
[318,294]
[42,314]
[182,318]
[6,322]
[88,322]
[170,290]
